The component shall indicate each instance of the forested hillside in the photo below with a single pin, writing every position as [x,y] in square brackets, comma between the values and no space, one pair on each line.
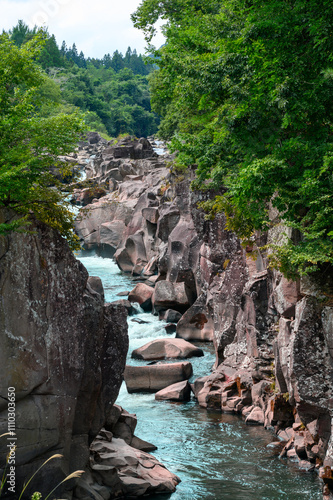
[245,89]
[112,91]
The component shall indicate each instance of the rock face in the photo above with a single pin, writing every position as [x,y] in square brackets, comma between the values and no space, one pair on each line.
[52,317]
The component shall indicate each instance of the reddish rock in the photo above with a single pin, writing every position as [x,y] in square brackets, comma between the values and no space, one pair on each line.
[111,234]
[127,471]
[168,220]
[142,294]
[286,294]
[153,378]
[167,348]
[125,303]
[170,316]
[175,392]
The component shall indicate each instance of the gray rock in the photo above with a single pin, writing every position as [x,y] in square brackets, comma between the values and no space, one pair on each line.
[153,378]
[51,320]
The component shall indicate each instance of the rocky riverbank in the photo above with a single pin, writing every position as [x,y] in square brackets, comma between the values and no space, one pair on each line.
[272,336]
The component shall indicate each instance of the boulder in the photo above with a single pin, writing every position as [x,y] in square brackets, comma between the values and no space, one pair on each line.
[286,294]
[256,417]
[126,304]
[170,295]
[153,378]
[125,471]
[170,316]
[175,392]
[170,328]
[167,348]
[150,214]
[142,294]
[168,220]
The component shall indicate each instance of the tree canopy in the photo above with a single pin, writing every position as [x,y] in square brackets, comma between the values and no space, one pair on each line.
[31,143]
[112,91]
[245,89]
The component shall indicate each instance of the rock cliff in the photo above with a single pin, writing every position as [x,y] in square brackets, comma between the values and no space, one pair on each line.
[62,350]
[273,337]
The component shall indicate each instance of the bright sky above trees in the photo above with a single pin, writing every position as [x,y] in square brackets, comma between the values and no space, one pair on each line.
[96,27]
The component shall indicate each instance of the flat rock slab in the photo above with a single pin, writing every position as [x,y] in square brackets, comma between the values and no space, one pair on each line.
[153,378]
[167,348]
[175,392]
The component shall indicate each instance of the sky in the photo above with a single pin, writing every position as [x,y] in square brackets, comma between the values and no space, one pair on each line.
[97,27]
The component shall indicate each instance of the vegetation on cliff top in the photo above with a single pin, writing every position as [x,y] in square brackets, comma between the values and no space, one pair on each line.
[43,91]
[245,89]
[112,91]
[30,143]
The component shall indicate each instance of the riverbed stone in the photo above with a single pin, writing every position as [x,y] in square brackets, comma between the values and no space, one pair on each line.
[175,392]
[170,316]
[153,378]
[256,417]
[167,348]
[126,471]
[142,294]
[196,323]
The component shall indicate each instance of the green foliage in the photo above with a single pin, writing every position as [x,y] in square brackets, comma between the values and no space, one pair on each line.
[246,94]
[31,143]
[113,90]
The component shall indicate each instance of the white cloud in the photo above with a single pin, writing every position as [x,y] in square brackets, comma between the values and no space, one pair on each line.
[96,26]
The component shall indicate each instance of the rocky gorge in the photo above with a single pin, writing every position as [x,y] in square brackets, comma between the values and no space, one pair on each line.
[272,337]
[64,348]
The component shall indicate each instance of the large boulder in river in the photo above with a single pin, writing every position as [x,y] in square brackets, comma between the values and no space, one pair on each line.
[124,472]
[141,294]
[175,392]
[167,348]
[52,318]
[155,377]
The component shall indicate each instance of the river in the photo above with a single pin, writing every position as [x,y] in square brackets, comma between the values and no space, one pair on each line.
[215,455]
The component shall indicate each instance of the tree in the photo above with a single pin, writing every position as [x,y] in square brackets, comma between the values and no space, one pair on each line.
[30,144]
[246,93]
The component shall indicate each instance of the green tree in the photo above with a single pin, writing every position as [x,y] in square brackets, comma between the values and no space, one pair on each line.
[30,143]
[246,93]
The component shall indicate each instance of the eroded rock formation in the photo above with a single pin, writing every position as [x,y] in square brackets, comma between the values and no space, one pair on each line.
[62,350]
[273,337]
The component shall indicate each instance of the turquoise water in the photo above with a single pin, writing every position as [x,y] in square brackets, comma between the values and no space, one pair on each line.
[215,455]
